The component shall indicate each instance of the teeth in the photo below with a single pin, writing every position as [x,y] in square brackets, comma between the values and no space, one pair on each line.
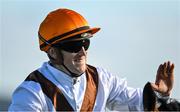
[78,59]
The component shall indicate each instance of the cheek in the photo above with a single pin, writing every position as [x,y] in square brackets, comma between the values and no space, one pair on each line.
[68,59]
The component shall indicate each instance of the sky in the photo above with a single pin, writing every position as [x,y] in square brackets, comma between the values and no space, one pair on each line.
[136,36]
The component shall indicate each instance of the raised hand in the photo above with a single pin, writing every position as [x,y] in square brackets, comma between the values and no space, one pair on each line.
[164,79]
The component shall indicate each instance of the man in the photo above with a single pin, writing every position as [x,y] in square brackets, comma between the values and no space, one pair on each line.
[67,83]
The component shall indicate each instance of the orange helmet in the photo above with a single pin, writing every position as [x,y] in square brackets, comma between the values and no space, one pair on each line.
[62,24]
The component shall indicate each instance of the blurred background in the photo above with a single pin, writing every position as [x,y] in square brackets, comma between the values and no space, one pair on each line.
[135,37]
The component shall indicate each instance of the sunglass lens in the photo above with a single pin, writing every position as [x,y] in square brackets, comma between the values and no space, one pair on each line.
[75,46]
[86,44]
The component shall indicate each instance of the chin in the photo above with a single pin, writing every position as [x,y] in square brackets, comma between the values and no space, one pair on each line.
[81,68]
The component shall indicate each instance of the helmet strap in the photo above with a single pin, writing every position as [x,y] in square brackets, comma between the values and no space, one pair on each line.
[71,73]
[54,63]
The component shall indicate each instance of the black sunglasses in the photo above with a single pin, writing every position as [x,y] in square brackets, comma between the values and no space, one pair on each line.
[74,46]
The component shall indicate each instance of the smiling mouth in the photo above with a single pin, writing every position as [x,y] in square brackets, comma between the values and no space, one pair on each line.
[77,60]
[80,60]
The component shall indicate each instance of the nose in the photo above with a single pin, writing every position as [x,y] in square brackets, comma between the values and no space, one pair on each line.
[82,51]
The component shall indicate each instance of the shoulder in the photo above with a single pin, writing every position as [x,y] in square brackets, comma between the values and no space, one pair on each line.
[103,73]
[27,96]
[30,86]
[107,77]
[30,89]
[99,69]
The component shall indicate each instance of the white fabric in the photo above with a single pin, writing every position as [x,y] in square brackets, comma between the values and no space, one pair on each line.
[112,92]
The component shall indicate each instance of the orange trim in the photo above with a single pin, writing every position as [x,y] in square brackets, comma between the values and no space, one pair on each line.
[93,30]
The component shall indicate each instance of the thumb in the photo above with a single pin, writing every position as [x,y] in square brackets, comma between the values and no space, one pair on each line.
[154,86]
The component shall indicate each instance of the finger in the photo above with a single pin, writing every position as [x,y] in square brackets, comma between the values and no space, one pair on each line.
[171,78]
[168,68]
[165,70]
[171,72]
[172,68]
[158,75]
[154,87]
[162,71]
[159,69]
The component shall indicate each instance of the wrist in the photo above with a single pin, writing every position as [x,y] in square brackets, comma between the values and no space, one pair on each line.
[162,96]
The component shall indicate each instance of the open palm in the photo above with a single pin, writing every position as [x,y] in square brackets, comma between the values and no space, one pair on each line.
[164,79]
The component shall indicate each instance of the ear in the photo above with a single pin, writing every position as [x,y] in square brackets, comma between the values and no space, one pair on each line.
[52,53]
[55,56]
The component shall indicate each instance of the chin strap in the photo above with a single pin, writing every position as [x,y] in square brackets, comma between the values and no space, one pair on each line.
[71,73]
